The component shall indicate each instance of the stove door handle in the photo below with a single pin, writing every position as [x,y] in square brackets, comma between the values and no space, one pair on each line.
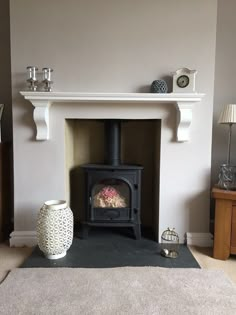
[112,214]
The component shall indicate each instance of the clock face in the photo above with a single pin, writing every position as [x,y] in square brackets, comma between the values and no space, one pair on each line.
[183,81]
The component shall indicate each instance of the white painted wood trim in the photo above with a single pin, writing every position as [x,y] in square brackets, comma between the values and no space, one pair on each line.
[23,238]
[200,239]
[43,100]
[29,239]
[112,97]
[41,118]
[184,119]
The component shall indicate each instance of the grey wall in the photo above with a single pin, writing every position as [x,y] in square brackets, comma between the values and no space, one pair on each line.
[225,83]
[113,46]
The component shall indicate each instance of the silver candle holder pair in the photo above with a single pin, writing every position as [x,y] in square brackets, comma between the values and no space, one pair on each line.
[32,78]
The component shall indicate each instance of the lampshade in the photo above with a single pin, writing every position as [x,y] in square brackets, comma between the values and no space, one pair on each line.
[228,114]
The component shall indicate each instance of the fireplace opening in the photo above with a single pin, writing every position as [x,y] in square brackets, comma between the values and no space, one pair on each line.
[112,189]
[113,173]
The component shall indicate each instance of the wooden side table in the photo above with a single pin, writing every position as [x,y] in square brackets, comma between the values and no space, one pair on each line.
[225,223]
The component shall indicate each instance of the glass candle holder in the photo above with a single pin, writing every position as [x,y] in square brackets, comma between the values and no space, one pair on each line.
[47,79]
[32,77]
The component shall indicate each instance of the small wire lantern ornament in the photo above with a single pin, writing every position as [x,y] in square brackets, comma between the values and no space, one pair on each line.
[170,243]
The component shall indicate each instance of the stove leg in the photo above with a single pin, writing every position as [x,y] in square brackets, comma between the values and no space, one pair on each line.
[137,231]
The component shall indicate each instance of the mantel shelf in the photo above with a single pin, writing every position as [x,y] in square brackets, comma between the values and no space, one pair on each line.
[43,100]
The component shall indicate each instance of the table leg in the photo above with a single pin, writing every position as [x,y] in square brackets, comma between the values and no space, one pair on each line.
[222,235]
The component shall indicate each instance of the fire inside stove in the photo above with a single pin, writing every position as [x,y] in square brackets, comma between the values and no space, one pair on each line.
[115,196]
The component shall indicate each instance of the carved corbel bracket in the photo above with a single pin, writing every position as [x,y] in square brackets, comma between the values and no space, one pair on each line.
[184,119]
[41,118]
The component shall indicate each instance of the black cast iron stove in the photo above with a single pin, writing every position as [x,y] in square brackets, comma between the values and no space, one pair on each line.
[113,190]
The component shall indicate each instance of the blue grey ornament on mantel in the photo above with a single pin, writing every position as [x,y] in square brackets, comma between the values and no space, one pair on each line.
[159,86]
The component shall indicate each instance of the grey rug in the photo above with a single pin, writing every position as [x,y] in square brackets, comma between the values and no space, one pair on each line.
[125,290]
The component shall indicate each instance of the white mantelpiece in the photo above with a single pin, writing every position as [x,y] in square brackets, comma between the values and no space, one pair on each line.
[43,100]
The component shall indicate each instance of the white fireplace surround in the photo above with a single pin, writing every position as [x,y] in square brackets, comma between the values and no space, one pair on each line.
[43,100]
[184,183]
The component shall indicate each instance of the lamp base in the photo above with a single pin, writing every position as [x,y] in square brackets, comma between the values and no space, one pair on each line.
[227,177]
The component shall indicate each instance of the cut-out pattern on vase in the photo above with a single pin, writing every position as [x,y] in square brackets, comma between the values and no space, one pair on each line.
[55,228]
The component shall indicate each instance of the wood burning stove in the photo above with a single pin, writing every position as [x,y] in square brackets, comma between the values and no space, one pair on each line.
[112,190]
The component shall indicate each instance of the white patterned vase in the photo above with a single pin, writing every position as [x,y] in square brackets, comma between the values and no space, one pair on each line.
[55,228]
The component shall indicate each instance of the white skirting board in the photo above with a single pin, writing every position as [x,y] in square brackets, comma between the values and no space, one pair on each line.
[23,238]
[29,239]
[200,239]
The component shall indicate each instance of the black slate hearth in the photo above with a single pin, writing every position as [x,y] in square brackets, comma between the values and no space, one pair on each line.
[113,248]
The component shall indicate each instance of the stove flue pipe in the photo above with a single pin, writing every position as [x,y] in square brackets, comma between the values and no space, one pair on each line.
[112,141]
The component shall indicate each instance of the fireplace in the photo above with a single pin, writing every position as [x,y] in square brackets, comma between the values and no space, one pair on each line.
[112,190]
[174,193]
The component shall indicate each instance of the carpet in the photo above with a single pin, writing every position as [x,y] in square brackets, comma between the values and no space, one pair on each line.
[108,248]
[117,291]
